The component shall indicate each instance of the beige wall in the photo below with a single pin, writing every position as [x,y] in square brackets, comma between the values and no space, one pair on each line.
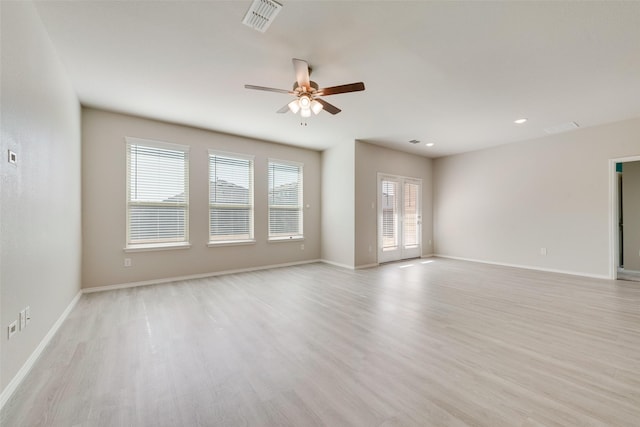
[504,204]
[40,197]
[631,214]
[338,204]
[103,203]
[369,160]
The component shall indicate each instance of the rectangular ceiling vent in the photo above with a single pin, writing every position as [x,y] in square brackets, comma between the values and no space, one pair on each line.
[414,141]
[261,14]
[564,127]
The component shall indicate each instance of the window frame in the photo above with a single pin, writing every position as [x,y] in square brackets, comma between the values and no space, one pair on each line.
[285,237]
[135,246]
[237,156]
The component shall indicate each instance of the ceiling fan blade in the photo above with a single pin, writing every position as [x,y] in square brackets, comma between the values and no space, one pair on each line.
[269,89]
[329,108]
[284,109]
[301,69]
[333,90]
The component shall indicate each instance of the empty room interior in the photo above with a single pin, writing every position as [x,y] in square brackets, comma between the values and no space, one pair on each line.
[320,213]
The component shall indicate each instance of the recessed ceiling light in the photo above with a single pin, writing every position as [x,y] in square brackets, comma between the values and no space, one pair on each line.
[520,121]
[430,144]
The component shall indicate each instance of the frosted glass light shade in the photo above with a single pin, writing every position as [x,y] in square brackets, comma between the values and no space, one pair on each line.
[304,101]
[316,107]
[294,106]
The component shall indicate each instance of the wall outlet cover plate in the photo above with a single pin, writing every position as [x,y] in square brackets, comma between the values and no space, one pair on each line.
[12,157]
[12,329]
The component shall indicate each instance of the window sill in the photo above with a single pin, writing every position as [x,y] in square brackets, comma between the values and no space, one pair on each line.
[216,244]
[286,239]
[157,247]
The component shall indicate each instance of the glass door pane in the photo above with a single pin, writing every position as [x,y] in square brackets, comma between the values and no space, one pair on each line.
[411,215]
[389,215]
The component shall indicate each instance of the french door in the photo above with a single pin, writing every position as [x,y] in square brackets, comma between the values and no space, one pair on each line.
[399,218]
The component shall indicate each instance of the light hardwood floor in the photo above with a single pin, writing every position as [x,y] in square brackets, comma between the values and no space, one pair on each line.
[429,342]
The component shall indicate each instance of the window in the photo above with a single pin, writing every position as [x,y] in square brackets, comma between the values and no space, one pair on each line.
[157,194]
[285,200]
[230,198]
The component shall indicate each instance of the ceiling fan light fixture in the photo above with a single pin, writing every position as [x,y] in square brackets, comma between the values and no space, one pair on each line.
[294,106]
[306,92]
[316,107]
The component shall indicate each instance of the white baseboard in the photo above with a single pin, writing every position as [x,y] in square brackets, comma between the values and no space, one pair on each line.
[28,364]
[337,264]
[363,266]
[191,276]
[528,267]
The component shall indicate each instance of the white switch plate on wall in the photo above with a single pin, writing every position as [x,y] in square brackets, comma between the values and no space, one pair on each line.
[23,319]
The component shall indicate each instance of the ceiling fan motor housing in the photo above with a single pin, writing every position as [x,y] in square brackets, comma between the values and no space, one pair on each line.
[314,87]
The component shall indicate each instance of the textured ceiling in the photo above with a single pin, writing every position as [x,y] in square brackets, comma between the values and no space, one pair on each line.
[453,73]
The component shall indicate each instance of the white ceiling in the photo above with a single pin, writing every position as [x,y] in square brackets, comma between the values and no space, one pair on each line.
[453,73]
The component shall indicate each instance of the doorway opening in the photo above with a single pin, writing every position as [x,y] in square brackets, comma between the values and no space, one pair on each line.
[399,218]
[625,218]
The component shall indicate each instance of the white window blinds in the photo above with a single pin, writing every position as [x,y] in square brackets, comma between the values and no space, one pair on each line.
[285,200]
[389,214]
[230,197]
[157,193]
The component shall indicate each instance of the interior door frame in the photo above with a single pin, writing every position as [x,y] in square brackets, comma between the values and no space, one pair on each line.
[401,179]
[614,203]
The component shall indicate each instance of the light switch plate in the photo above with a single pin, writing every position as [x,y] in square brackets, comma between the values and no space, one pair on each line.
[23,319]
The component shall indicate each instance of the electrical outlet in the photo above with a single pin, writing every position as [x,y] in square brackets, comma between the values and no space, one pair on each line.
[23,319]
[370,248]
[127,262]
[302,247]
[543,251]
[27,311]
[12,157]
[13,328]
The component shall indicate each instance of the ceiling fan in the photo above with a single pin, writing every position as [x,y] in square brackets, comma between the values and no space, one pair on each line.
[307,92]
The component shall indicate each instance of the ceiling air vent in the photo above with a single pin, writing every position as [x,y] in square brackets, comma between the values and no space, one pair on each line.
[564,127]
[261,14]
[414,141]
